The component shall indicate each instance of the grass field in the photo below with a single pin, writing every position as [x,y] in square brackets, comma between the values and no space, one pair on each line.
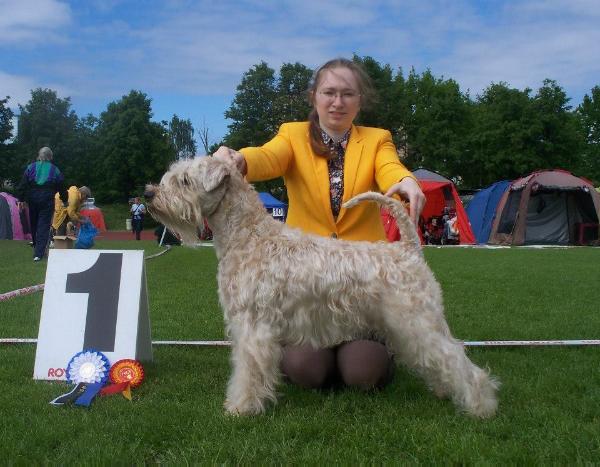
[548,414]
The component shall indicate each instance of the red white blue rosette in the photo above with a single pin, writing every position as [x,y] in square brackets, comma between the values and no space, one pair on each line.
[89,366]
[88,370]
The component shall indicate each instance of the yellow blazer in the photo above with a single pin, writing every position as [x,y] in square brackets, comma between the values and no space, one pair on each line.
[71,210]
[371,164]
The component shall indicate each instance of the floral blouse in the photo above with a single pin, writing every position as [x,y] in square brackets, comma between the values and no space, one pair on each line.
[336,169]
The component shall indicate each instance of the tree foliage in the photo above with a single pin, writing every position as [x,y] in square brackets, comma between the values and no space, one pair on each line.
[7,163]
[132,149]
[588,114]
[437,123]
[290,103]
[253,121]
[263,102]
[6,116]
[503,133]
[46,120]
[181,134]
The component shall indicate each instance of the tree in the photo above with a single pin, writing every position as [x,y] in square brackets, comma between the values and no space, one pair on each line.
[437,118]
[291,100]
[252,109]
[181,133]
[557,142]
[6,116]
[262,103]
[78,167]
[515,133]
[7,168]
[132,149]
[588,114]
[502,140]
[204,138]
[46,120]
[384,110]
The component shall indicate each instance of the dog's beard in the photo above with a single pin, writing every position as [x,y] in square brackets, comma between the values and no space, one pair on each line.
[178,216]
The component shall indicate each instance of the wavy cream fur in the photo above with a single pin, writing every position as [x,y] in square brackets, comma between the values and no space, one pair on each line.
[278,286]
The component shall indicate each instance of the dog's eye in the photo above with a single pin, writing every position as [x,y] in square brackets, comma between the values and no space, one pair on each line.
[185,180]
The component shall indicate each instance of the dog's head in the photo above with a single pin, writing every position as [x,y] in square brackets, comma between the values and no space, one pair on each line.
[189,191]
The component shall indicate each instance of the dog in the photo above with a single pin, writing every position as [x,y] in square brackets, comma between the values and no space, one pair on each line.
[279,286]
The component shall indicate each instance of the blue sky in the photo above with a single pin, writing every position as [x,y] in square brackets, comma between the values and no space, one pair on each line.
[189,56]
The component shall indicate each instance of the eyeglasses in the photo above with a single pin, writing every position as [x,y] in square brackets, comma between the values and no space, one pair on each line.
[347,96]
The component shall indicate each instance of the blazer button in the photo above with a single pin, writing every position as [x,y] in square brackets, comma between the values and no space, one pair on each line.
[333,235]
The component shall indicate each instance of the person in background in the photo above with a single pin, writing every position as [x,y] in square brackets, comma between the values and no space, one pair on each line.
[137,217]
[325,162]
[63,214]
[40,181]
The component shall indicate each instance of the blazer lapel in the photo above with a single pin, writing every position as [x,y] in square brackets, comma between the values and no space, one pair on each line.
[322,183]
[351,163]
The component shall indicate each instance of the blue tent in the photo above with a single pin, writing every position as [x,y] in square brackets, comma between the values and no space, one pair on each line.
[482,209]
[275,207]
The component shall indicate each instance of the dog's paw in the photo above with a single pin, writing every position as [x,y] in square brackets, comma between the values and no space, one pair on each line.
[243,409]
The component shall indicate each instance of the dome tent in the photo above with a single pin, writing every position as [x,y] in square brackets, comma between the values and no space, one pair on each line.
[276,208]
[547,207]
[482,209]
[440,193]
[424,174]
[14,223]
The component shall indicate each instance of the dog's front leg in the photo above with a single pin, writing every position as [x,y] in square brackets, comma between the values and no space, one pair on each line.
[255,358]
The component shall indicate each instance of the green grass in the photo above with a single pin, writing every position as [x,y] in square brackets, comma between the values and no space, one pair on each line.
[549,411]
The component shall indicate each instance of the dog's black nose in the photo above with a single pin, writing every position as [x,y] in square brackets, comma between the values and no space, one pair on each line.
[148,194]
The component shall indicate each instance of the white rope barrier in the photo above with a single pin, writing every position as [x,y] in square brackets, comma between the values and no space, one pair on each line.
[156,255]
[577,342]
[195,343]
[19,292]
[530,343]
[18,341]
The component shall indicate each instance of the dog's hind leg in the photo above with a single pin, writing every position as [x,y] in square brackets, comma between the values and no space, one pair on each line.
[255,358]
[443,364]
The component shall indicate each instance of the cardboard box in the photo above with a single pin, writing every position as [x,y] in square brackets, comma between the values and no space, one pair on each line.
[62,242]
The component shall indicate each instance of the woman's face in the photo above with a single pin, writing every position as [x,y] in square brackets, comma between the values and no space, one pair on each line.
[337,100]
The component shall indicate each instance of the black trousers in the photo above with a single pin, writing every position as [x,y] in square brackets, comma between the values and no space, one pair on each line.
[137,226]
[41,210]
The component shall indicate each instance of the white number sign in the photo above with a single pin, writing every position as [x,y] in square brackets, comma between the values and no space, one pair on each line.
[93,299]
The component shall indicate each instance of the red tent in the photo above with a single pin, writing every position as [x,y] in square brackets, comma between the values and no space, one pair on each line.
[440,193]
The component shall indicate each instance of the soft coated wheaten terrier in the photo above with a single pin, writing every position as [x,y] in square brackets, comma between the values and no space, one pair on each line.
[278,286]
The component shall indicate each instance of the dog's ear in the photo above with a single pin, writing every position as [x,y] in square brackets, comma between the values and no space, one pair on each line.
[215,174]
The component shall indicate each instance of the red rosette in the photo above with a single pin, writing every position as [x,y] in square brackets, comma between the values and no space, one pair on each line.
[127,371]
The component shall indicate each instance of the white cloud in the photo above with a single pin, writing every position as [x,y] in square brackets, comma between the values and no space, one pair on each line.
[202,47]
[32,21]
[17,87]
[527,44]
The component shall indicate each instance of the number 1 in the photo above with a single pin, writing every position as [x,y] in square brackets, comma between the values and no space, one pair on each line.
[102,282]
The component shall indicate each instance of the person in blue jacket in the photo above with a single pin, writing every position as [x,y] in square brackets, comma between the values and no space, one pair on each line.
[40,181]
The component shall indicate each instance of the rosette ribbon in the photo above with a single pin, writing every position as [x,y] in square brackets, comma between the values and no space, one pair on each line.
[124,375]
[88,370]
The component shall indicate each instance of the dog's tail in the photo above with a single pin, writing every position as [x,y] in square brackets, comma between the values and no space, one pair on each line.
[408,233]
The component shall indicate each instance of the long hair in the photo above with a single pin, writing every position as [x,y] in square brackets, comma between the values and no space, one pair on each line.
[365,89]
